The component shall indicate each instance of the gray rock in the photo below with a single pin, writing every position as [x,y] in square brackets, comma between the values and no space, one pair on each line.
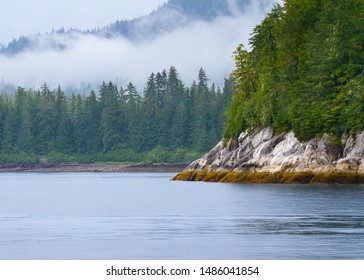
[260,150]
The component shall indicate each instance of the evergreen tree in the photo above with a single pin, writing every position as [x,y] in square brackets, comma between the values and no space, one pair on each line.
[150,108]
[3,113]
[112,123]
[173,96]
[9,129]
[80,123]
[64,139]
[22,121]
[92,123]
[46,120]
[133,116]
[161,85]
[203,137]
[304,57]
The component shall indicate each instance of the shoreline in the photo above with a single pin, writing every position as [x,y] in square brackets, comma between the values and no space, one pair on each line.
[92,167]
[249,177]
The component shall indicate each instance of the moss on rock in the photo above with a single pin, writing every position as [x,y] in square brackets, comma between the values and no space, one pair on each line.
[267,177]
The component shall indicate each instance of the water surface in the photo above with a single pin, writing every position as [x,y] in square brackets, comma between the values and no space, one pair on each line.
[147,216]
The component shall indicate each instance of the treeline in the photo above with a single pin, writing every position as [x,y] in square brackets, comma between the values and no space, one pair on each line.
[304,71]
[168,122]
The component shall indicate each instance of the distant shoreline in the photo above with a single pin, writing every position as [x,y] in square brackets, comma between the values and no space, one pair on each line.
[102,167]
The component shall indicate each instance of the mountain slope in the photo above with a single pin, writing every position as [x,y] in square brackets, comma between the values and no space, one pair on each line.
[167,18]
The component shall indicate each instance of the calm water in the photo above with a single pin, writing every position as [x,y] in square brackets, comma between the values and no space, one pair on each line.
[147,216]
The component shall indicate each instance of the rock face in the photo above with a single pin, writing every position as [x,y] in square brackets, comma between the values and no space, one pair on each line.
[260,150]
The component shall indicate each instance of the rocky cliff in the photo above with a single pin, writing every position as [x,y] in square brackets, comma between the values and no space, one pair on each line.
[262,156]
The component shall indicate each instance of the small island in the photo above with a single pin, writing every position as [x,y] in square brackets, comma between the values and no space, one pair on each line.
[297,112]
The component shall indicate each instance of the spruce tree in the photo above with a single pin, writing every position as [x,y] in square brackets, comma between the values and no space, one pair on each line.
[112,123]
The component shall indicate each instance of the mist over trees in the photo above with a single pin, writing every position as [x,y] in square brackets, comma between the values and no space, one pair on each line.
[206,36]
[168,17]
[167,122]
[304,71]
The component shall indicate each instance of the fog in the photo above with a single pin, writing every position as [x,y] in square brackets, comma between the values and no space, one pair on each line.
[92,59]
[23,17]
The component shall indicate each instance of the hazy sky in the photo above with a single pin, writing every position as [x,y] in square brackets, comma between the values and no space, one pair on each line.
[24,17]
[91,59]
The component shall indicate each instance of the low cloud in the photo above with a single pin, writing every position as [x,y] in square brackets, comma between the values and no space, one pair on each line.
[93,59]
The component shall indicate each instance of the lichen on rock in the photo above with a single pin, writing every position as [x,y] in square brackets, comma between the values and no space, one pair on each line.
[261,151]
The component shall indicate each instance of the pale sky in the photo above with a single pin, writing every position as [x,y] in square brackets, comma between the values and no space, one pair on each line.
[93,59]
[24,17]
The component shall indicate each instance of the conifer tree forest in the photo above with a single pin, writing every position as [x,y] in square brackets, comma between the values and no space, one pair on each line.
[304,71]
[167,122]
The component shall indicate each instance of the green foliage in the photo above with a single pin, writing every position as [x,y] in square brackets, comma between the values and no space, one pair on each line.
[169,122]
[304,71]
[112,125]
[350,106]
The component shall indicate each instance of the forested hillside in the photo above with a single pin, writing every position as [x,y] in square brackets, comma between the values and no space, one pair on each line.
[304,71]
[170,16]
[168,122]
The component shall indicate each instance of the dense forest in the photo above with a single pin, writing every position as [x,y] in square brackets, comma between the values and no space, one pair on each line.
[303,72]
[168,122]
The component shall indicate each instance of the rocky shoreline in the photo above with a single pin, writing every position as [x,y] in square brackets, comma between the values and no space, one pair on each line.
[261,156]
[112,167]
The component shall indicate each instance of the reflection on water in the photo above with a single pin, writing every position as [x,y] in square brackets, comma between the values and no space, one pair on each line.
[146,216]
[166,227]
[303,225]
[207,237]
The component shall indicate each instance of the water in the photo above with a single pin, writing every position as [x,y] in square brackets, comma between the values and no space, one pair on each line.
[146,216]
